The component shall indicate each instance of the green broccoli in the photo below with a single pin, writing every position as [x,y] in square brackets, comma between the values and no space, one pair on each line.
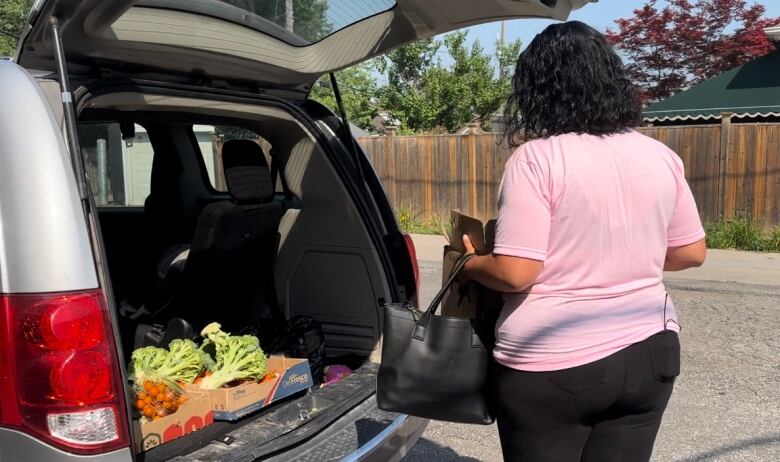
[208,361]
[213,334]
[237,358]
[144,363]
[182,362]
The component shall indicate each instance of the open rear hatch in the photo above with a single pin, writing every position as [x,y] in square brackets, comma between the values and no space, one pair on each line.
[249,44]
[254,45]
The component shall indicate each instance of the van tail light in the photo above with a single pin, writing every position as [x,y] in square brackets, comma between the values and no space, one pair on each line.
[415,266]
[59,373]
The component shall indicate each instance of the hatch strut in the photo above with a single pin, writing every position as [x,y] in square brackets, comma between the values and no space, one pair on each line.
[345,122]
[68,109]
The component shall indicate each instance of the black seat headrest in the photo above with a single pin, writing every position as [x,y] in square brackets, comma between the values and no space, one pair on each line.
[246,171]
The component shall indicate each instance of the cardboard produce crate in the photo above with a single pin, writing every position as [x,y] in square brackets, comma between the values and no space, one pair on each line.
[192,415]
[235,402]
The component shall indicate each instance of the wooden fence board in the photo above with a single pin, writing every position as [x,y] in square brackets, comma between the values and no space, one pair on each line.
[435,174]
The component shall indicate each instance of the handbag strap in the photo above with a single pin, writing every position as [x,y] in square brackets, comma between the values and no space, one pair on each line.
[422,323]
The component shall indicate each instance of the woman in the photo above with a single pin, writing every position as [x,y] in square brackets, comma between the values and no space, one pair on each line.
[590,214]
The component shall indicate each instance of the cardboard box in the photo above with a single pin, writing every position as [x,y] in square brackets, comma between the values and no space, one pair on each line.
[235,402]
[192,415]
[469,301]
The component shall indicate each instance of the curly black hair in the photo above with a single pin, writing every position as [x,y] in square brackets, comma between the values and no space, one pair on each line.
[570,80]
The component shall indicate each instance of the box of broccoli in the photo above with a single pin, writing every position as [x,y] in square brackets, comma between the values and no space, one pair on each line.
[241,379]
[287,376]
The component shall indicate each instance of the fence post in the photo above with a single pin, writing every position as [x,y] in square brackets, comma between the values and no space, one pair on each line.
[723,179]
[390,173]
[472,156]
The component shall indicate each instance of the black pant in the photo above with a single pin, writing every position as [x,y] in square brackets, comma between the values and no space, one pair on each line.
[607,410]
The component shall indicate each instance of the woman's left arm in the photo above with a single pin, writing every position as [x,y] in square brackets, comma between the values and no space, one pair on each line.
[501,273]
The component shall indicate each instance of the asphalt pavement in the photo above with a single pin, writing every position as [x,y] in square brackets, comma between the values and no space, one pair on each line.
[726,403]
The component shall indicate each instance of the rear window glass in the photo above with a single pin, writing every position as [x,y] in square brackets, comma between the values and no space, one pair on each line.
[312,20]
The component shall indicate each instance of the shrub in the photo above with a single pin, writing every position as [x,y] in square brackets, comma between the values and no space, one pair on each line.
[410,220]
[742,234]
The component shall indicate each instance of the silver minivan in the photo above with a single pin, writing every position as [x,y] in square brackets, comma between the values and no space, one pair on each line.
[120,124]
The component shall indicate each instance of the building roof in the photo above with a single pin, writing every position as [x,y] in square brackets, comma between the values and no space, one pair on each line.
[750,90]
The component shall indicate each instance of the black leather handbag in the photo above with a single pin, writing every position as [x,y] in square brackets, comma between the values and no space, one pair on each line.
[435,367]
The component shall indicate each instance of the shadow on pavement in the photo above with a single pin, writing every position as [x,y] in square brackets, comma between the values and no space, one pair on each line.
[738,446]
[427,450]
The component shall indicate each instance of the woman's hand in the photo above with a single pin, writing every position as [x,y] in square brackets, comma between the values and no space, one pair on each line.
[464,276]
[468,245]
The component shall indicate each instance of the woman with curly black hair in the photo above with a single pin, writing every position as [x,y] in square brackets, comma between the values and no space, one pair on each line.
[590,215]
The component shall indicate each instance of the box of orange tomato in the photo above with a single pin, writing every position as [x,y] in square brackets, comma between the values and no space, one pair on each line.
[191,415]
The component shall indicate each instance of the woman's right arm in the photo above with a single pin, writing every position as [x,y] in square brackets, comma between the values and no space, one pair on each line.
[686,256]
[685,244]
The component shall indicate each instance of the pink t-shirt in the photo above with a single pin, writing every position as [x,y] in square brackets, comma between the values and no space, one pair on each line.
[600,213]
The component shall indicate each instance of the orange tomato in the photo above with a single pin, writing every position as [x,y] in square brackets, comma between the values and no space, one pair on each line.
[140,404]
[148,411]
[148,400]
[148,385]
[161,412]
[142,396]
[160,397]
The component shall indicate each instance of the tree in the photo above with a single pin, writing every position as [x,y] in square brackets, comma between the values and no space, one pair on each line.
[227,132]
[12,16]
[358,93]
[428,96]
[309,16]
[686,42]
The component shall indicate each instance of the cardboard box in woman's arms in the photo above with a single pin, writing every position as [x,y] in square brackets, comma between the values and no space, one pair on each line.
[472,301]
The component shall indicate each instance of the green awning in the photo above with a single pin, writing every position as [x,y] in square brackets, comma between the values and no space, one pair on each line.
[749,90]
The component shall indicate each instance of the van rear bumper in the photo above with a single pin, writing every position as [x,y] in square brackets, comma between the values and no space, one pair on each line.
[18,446]
[393,443]
[364,434]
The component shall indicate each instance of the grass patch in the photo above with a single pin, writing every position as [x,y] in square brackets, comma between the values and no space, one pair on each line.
[411,221]
[742,234]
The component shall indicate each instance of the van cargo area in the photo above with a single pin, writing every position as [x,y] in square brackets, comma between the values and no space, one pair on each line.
[233,212]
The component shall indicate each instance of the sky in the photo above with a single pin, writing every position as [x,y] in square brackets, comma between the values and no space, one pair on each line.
[599,15]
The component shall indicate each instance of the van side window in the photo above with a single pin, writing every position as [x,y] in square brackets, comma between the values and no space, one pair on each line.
[119,171]
[210,140]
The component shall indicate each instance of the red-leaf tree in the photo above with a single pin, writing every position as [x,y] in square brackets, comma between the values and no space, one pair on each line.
[685,42]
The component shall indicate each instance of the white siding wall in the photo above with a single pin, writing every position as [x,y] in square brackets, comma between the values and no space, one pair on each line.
[138,167]
[138,162]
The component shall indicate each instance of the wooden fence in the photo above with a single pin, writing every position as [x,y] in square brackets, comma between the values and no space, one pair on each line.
[731,168]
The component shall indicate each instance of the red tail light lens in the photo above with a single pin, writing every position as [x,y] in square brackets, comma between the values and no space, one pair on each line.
[83,377]
[72,323]
[59,373]
[415,266]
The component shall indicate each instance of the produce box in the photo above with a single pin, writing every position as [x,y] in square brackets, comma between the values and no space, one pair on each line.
[192,415]
[236,402]
[462,301]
